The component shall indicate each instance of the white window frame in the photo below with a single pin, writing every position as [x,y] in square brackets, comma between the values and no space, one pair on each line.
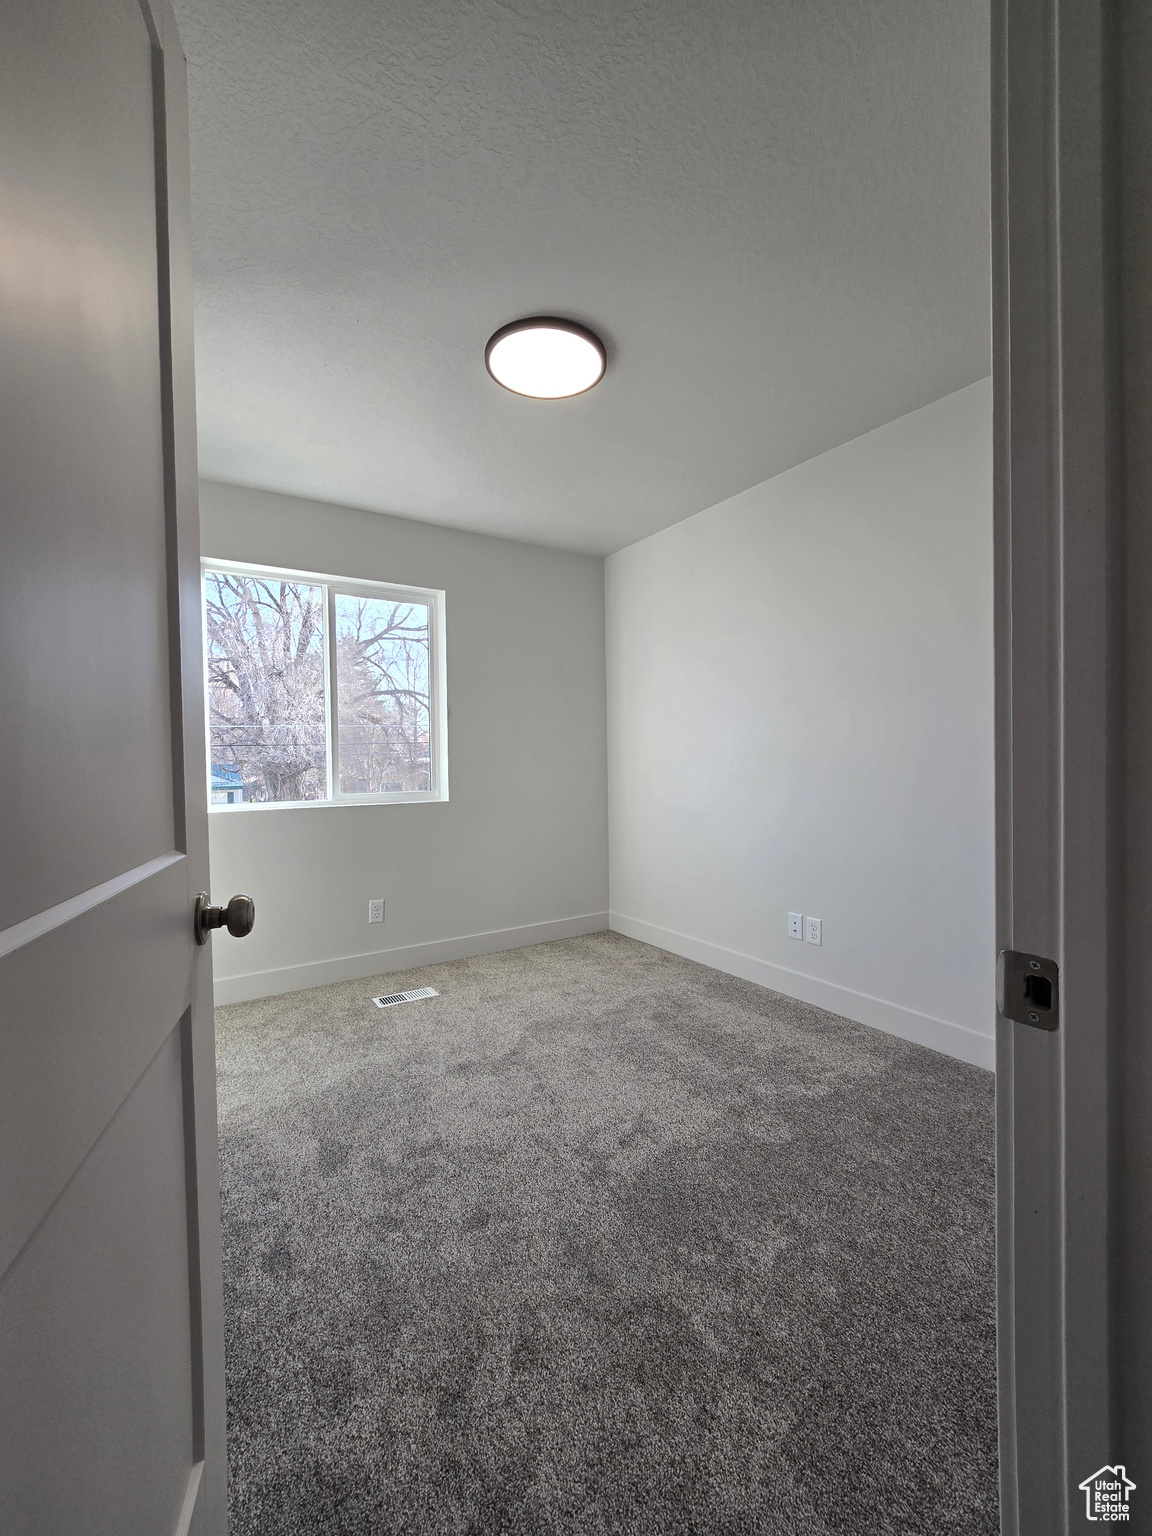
[347,586]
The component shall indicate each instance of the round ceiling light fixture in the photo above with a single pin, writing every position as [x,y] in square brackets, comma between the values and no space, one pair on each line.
[545,358]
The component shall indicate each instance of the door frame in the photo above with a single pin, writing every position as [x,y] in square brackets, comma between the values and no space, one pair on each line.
[205,1511]
[1058,726]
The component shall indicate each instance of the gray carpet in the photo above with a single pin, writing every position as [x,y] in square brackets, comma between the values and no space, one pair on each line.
[601,1241]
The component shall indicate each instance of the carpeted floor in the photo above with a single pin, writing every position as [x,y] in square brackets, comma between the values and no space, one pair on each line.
[597,1241]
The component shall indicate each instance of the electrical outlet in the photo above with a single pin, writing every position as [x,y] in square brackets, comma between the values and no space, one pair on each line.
[376,911]
[812,930]
[795,925]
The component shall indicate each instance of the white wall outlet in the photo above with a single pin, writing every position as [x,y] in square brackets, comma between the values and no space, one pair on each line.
[795,925]
[376,911]
[812,930]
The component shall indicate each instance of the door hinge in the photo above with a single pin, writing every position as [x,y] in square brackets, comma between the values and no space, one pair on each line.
[1028,989]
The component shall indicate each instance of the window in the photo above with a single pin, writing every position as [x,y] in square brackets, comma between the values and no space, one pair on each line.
[321,690]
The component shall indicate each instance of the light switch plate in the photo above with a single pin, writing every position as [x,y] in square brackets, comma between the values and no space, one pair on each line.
[812,930]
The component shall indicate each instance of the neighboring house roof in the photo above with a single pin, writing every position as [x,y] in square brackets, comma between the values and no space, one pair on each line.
[226,778]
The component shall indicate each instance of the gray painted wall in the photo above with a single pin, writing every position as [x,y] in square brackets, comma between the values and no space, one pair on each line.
[800,707]
[519,851]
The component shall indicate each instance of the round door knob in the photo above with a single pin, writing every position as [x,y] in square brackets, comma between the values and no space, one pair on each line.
[238,917]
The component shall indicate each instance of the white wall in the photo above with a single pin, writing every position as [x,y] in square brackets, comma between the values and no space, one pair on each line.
[800,717]
[518,854]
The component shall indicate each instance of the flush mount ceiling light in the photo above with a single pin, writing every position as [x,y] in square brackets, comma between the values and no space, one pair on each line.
[546,358]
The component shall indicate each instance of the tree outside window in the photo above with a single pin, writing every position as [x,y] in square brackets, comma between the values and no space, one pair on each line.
[266,685]
[317,692]
[382,658]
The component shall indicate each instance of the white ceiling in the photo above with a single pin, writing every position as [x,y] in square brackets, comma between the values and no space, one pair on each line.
[775,213]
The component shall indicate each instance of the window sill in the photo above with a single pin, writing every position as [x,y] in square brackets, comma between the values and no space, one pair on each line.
[344,802]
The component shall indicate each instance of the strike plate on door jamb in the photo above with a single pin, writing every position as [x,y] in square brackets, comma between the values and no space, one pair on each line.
[1028,989]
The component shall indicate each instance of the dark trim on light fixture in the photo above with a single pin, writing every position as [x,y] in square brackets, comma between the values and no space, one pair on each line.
[552,323]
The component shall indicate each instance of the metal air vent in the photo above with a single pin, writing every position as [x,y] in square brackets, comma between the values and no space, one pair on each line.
[390,999]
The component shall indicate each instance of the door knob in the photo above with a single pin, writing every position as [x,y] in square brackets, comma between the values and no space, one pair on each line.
[238,917]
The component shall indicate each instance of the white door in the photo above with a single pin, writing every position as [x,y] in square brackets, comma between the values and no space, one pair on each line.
[111,1363]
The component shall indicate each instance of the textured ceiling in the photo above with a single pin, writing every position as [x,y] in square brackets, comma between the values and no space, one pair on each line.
[775,213]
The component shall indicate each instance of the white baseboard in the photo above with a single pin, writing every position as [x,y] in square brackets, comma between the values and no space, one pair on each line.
[921,1028]
[320,973]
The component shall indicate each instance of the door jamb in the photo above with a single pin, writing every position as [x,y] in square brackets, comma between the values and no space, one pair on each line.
[1054,361]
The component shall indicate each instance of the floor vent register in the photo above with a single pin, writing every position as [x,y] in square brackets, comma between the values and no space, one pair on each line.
[390,999]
